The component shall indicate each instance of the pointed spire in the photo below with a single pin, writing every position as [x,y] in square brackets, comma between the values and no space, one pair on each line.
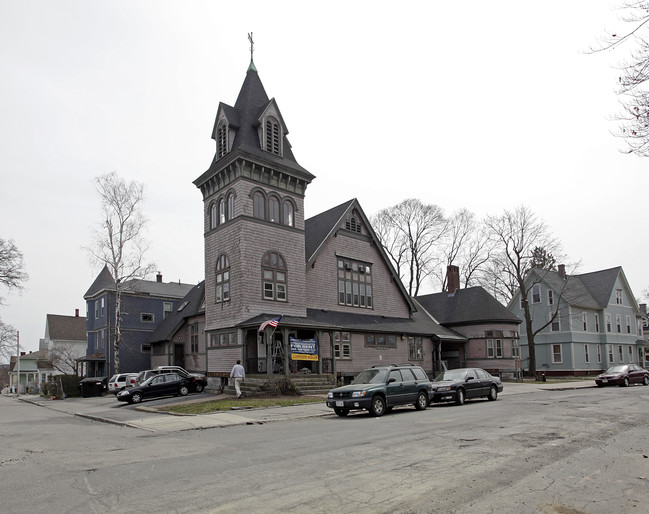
[252,49]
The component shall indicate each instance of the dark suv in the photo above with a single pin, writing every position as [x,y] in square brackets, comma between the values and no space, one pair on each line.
[380,388]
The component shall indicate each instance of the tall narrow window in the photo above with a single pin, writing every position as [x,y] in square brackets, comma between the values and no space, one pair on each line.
[222,217]
[230,212]
[608,321]
[618,323]
[214,216]
[273,209]
[597,323]
[222,290]
[289,214]
[584,319]
[354,284]
[550,297]
[272,136]
[193,337]
[258,205]
[628,324]
[610,353]
[536,293]
[618,297]
[586,355]
[556,353]
[620,352]
[274,277]
[599,354]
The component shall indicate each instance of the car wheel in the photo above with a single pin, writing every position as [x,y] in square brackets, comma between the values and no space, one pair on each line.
[645,381]
[378,406]
[493,393]
[342,412]
[136,398]
[459,397]
[626,382]
[183,390]
[199,388]
[422,401]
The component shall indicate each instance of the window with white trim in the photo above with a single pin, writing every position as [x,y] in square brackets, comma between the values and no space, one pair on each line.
[222,289]
[620,352]
[597,323]
[599,354]
[499,349]
[555,325]
[342,345]
[490,349]
[584,319]
[618,297]
[550,297]
[167,308]
[586,354]
[557,358]
[610,352]
[536,293]
[516,353]
[618,323]
[274,277]
[628,324]
[608,321]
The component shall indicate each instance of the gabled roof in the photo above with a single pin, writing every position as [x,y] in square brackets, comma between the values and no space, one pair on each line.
[588,290]
[322,227]
[41,357]
[65,328]
[472,305]
[244,120]
[191,305]
[105,282]
[419,324]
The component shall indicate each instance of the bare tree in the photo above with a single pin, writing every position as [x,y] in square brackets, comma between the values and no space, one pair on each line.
[467,246]
[64,358]
[12,266]
[8,340]
[517,234]
[119,243]
[410,232]
[633,82]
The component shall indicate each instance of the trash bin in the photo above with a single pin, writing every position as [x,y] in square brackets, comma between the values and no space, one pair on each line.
[93,386]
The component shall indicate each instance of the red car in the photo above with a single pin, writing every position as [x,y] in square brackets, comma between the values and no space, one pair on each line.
[623,375]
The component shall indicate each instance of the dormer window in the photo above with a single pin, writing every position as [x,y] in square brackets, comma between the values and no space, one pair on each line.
[273,136]
[222,139]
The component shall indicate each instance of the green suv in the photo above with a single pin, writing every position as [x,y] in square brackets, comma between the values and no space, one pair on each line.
[380,388]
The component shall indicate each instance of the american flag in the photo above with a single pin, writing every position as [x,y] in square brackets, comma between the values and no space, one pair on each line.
[271,322]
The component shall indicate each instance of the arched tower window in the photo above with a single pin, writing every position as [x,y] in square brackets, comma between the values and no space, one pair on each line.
[274,274]
[273,136]
[222,279]
[214,219]
[273,209]
[230,214]
[258,205]
[289,214]
[222,139]
[222,217]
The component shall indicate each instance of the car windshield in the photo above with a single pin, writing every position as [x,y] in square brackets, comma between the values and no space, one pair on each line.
[616,369]
[451,375]
[371,376]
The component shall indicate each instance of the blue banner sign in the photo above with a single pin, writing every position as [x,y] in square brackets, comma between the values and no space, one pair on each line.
[304,346]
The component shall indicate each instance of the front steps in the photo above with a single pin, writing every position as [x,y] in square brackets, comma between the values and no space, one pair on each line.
[307,384]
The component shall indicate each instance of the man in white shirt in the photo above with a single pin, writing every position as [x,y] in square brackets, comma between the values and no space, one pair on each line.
[238,373]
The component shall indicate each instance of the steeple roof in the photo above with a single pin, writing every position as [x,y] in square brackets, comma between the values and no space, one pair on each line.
[244,122]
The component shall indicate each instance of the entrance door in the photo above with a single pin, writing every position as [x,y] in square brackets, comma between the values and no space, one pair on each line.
[179,355]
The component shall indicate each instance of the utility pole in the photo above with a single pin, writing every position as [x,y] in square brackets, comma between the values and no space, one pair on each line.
[18,360]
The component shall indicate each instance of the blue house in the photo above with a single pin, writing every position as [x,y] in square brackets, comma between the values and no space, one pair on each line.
[145,304]
[588,322]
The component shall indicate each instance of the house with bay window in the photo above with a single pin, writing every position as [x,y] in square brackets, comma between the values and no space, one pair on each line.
[588,321]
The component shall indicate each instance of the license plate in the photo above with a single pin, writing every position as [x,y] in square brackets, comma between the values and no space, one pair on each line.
[604,380]
[340,404]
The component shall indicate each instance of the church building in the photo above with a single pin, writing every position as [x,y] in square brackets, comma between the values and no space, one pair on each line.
[287,295]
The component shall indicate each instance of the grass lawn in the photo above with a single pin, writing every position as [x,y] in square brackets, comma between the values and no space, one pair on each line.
[245,403]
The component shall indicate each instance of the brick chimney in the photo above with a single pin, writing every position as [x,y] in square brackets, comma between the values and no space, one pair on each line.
[562,271]
[158,277]
[452,279]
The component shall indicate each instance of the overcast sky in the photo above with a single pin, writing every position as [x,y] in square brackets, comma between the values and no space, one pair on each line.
[483,105]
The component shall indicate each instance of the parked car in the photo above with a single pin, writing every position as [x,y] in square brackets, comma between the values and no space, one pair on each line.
[121,381]
[199,381]
[457,385]
[623,375]
[157,386]
[381,388]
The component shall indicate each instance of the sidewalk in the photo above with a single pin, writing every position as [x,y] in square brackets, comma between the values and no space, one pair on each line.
[159,421]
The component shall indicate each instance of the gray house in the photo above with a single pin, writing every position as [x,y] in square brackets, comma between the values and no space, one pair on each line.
[592,321]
